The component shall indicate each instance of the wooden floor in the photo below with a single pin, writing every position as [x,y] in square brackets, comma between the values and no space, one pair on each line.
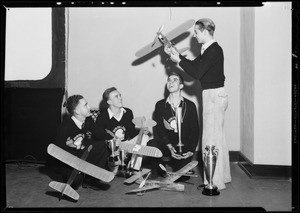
[27,186]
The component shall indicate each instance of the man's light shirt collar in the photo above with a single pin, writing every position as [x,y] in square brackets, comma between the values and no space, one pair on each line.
[172,105]
[207,44]
[111,114]
[77,122]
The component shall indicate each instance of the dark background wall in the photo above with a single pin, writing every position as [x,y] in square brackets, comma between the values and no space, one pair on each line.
[32,109]
[31,118]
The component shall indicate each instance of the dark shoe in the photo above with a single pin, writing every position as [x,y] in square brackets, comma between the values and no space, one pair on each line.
[163,174]
[95,184]
[153,176]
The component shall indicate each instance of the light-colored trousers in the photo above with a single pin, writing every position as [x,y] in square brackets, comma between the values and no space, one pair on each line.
[215,103]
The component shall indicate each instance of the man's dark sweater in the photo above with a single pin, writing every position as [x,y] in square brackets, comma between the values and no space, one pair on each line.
[68,129]
[125,126]
[164,115]
[207,68]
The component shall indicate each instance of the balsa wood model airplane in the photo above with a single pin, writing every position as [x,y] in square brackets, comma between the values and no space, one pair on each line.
[79,165]
[166,40]
[138,145]
[165,184]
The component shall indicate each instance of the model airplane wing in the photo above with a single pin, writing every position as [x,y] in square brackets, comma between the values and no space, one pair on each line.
[176,173]
[80,164]
[184,169]
[171,35]
[141,149]
[180,29]
[137,175]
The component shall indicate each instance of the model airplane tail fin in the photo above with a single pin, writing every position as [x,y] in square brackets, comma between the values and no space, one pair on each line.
[64,189]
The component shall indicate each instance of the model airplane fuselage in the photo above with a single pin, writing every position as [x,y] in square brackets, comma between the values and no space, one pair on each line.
[164,40]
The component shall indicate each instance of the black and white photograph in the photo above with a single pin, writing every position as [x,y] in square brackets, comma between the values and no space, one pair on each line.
[126,106]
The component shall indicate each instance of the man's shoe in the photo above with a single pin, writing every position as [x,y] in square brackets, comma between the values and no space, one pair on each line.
[95,184]
[153,176]
[165,175]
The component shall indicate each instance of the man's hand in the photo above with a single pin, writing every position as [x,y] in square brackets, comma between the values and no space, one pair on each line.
[173,53]
[145,130]
[117,141]
[173,152]
[187,155]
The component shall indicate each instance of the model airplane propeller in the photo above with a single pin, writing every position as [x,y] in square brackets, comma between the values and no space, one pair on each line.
[166,40]
[165,184]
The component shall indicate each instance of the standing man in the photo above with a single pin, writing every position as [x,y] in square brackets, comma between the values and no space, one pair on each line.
[208,68]
[167,133]
[74,135]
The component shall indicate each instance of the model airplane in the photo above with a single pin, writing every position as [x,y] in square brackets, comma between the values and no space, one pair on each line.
[166,184]
[138,145]
[166,40]
[79,165]
[136,159]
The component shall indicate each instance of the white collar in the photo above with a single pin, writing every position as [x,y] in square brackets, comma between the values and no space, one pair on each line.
[168,101]
[207,44]
[111,114]
[77,122]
